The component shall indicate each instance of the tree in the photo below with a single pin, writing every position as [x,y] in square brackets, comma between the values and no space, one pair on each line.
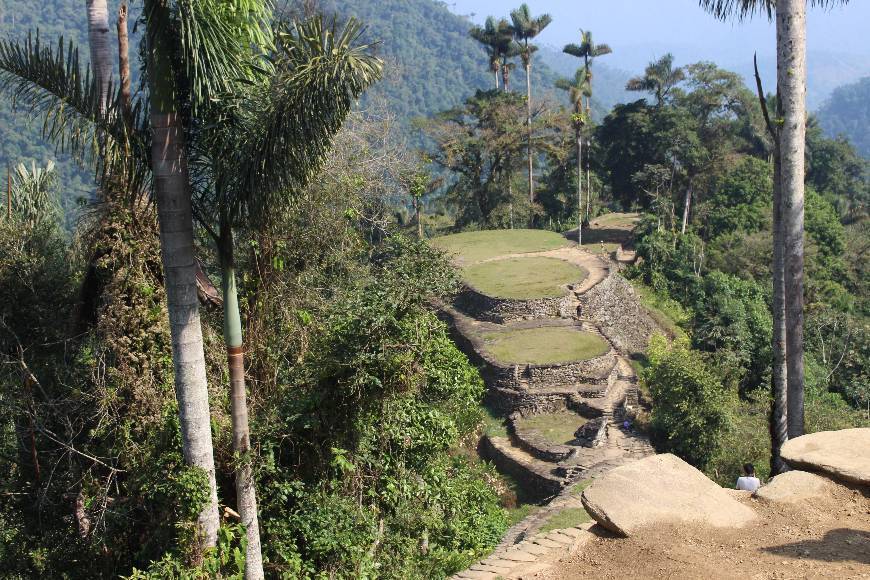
[487,35]
[588,51]
[791,88]
[659,78]
[525,28]
[286,124]
[577,89]
[99,41]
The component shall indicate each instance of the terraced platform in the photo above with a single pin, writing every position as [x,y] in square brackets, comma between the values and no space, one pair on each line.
[544,357]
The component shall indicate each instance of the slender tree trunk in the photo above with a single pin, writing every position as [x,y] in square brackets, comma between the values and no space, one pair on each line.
[579,188]
[495,73]
[686,208]
[779,417]
[99,41]
[419,212]
[529,125]
[246,494]
[791,79]
[506,77]
[588,177]
[172,190]
[124,66]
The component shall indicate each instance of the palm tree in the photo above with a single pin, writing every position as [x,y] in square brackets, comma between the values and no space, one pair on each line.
[262,153]
[659,78]
[99,41]
[791,88]
[488,37]
[578,89]
[507,49]
[525,28]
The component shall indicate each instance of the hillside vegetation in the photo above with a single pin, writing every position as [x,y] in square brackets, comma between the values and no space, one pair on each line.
[847,113]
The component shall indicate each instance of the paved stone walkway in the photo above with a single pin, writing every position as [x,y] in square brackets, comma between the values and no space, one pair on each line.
[529,557]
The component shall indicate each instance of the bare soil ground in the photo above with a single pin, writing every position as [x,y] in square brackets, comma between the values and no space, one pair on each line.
[824,538]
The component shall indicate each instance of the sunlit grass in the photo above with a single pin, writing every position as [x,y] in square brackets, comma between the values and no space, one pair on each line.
[558,428]
[546,345]
[471,247]
[523,278]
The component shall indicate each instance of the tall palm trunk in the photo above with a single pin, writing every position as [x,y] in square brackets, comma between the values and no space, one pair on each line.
[124,65]
[246,495]
[779,418]
[100,42]
[172,190]
[579,187]
[529,125]
[588,175]
[506,77]
[791,79]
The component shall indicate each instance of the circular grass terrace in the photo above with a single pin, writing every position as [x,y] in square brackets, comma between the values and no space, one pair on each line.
[545,345]
[523,278]
[472,247]
[558,427]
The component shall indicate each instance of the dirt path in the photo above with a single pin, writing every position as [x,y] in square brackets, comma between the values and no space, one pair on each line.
[827,538]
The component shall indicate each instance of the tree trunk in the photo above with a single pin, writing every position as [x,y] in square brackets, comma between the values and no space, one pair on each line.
[495,73]
[172,190]
[506,77]
[686,206]
[124,66]
[588,176]
[779,417]
[419,213]
[791,79]
[579,188]
[246,494]
[529,124]
[98,39]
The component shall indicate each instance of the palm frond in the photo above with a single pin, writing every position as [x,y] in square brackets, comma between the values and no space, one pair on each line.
[283,133]
[743,9]
[49,84]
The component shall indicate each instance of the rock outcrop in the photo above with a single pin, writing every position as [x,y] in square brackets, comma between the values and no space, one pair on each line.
[793,487]
[843,455]
[660,489]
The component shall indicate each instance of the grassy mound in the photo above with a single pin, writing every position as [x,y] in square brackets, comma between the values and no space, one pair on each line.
[547,345]
[558,428]
[523,278]
[471,247]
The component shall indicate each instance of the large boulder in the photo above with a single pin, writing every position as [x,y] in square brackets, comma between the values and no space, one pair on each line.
[794,487]
[661,489]
[843,455]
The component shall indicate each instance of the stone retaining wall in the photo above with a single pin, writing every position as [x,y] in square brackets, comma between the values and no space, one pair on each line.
[616,308]
[537,484]
[502,310]
[532,441]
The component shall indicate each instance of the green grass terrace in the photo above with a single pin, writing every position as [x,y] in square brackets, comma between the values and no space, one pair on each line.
[544,345]
[523,278]
[471,247]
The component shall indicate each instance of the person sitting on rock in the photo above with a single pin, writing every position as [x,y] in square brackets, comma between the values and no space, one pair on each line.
[748,482]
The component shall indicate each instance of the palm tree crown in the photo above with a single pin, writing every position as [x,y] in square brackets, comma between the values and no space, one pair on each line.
[587,49]
[526,27]
[659,78]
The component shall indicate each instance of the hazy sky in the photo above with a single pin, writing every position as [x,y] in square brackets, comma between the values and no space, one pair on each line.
[648,28]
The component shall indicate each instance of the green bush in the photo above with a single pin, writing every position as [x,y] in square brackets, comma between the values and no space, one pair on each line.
[689,415]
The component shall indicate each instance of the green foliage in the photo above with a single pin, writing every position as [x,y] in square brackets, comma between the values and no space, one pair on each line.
[689,416]
[742,201]
[845,113]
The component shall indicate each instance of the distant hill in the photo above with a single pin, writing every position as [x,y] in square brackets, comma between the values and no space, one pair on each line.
[435,63]
[20,139]
[847,112]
